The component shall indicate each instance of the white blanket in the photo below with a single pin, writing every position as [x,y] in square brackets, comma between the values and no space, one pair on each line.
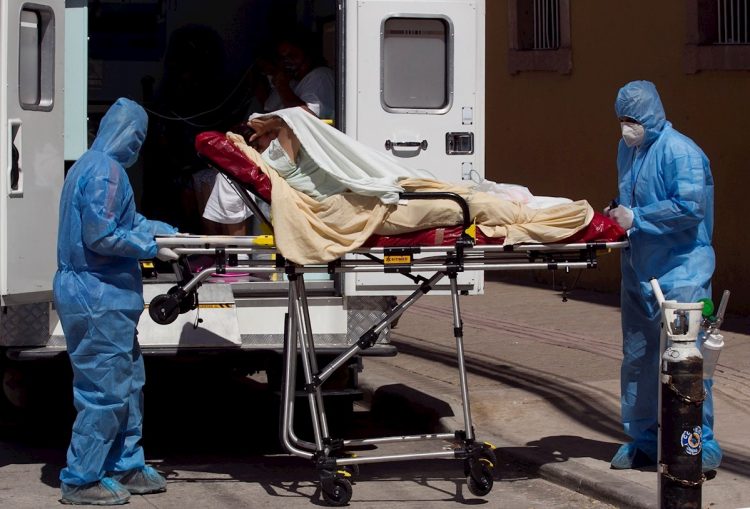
[359,168]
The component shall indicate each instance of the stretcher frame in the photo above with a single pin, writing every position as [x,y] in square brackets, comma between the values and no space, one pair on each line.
[333,463]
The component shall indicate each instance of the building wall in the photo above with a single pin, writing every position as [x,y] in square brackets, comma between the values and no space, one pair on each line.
[558,134]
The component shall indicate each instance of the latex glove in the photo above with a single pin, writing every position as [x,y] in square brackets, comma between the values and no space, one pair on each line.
[612,205]
[622,216]
[166,255]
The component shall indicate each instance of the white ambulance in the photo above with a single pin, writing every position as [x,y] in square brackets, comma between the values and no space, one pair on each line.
[409,82]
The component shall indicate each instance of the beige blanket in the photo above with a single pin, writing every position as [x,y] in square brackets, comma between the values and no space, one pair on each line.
[309,231]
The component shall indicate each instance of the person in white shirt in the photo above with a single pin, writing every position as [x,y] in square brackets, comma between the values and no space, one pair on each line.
[303,79]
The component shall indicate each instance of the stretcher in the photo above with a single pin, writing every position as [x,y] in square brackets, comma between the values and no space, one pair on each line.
[439,255]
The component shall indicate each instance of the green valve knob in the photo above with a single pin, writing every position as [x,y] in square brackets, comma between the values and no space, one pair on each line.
[708,307]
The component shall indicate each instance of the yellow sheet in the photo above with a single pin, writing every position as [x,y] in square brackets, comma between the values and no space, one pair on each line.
[309,231]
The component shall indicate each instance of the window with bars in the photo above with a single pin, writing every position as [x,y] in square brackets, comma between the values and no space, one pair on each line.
[732,22]
[539,35]
[718,35]
[546,14]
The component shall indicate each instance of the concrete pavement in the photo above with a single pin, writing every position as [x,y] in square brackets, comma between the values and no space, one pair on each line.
[544,383]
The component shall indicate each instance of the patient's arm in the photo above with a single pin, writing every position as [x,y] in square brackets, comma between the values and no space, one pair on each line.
[289,142]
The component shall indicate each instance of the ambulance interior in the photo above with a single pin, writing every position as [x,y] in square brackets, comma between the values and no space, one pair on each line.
[194,69]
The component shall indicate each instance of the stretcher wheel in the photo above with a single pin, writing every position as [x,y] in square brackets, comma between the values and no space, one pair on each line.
[340,494]
[164,309]
[188,302]
[489,455]
[481,485]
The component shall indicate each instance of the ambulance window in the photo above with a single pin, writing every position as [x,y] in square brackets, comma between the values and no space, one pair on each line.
[416,64]
[36,36]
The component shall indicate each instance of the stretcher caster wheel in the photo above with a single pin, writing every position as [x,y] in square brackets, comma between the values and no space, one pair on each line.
[487,454]
[188,302]
[480,485]
[340,494]
[164,309]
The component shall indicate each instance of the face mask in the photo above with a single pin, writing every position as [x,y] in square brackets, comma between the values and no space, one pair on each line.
[632,133]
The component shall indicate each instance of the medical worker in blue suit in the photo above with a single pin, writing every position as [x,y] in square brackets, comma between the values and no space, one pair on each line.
[666,204]
[98,295]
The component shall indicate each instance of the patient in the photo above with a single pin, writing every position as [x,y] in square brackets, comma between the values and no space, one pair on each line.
[344,169]
[317,160]
[331,193]
[280,148]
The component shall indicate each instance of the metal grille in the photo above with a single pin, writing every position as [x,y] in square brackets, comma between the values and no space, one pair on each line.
[547,24]
[25,325]
[733,21]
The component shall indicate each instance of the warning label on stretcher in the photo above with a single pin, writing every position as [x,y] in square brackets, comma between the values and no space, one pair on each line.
[397,259]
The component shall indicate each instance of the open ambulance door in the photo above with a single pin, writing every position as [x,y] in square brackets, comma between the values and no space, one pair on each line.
[415,90]
[31,146]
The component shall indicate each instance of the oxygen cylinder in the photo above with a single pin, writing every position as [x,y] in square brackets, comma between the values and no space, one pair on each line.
[682,396]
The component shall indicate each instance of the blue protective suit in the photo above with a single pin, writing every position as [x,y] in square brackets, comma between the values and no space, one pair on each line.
[667,183]
[98,295]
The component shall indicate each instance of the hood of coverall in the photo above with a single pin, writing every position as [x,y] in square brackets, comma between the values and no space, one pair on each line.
[122,132]
[640,101]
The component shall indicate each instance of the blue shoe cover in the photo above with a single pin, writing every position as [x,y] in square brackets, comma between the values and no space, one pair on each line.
[633,455]
[104,492]
[142,481]
[711,455]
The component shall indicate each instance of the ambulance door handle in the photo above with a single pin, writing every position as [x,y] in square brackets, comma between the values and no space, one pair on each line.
[15,167]
[412,144]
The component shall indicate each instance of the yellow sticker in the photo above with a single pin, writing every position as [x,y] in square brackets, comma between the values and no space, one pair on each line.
[397,259]
[147,265]
[203,306]
[264,240]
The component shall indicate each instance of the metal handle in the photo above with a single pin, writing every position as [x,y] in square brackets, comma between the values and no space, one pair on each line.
[722,307]
[416,144]
[15,167]
[442,195]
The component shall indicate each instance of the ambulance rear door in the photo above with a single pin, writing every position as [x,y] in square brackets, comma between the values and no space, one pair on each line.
[31,146]
[414,74]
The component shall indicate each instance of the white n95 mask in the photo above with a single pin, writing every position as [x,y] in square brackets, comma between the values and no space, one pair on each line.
[632,133]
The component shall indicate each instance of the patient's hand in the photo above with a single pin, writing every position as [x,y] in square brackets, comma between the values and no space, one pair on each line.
[267,125]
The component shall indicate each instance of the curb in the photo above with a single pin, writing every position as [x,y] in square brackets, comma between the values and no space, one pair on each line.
[568,474]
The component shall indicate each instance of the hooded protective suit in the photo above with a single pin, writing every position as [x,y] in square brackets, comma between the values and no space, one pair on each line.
[666,181]
[98,295]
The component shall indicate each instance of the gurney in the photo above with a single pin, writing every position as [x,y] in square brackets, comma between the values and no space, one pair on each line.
[424,257]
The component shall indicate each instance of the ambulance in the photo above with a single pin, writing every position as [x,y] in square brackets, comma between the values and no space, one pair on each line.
[409,82]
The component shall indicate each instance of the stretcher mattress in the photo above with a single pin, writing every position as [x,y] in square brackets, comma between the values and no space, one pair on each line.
[227,158]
